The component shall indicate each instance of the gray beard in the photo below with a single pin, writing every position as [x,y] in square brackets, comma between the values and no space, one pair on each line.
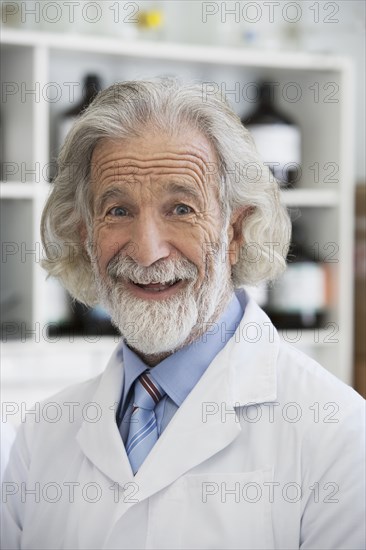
[157,327]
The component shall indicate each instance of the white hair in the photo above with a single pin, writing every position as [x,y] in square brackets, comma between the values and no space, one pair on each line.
[124,110]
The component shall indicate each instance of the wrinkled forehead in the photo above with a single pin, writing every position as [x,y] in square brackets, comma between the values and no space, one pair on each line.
[188,153]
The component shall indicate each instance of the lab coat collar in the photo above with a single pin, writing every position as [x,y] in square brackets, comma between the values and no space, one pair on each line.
[251,356]
[101,441]
[242,373]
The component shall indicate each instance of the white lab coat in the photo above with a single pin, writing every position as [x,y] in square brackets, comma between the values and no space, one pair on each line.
[265,452]
[7,435]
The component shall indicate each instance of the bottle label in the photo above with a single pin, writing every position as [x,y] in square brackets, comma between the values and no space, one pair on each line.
[56,304]
[279,144]
[301,288]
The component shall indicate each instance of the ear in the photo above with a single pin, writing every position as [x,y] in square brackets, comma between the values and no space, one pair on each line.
[235,232]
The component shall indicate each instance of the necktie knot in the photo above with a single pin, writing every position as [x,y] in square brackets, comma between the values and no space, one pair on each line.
[148,392]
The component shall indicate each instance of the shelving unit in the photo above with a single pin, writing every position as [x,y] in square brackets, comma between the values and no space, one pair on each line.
[44,62]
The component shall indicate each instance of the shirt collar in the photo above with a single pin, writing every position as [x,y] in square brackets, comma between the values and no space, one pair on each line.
[188,363]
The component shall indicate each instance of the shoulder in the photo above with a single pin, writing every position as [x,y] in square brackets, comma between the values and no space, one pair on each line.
[61,415]
[328,413]
[265,368]
[298,375]
[58,415]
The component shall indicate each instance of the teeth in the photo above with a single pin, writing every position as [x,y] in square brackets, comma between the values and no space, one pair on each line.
[165,283]
[162,284]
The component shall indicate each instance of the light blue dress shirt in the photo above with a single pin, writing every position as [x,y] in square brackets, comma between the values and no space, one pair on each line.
[178,373]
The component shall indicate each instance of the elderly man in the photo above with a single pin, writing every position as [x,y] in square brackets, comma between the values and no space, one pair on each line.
[205,430]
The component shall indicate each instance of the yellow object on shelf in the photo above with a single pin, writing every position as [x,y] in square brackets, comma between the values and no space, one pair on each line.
[150,19]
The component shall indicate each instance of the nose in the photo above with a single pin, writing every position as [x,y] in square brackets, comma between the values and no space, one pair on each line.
[149,240]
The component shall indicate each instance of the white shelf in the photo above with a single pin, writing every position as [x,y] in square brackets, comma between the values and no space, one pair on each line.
[310,197]
[177,52]
[18,190]
[59,345]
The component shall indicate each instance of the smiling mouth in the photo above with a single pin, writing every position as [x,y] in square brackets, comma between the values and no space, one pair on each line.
[157,286]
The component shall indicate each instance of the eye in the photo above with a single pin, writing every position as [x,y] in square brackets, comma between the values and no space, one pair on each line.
[182,209]
[117,211]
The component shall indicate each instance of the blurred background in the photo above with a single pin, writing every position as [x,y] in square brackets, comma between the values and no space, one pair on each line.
[295,74]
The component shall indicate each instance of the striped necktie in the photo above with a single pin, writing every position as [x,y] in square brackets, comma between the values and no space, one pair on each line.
[143,433]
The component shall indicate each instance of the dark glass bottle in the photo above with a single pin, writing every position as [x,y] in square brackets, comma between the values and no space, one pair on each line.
[277,136]
[299,298]
[91,86]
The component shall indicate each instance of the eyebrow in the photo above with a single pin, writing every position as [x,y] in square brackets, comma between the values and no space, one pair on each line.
[182,189]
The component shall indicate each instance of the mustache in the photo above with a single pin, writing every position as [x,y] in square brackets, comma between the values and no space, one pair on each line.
[163,271]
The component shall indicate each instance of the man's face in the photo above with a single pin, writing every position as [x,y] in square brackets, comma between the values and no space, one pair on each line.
[157,219]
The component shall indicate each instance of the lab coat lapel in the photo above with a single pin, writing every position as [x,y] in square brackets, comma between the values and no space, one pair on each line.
[243,373]
[101,441]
